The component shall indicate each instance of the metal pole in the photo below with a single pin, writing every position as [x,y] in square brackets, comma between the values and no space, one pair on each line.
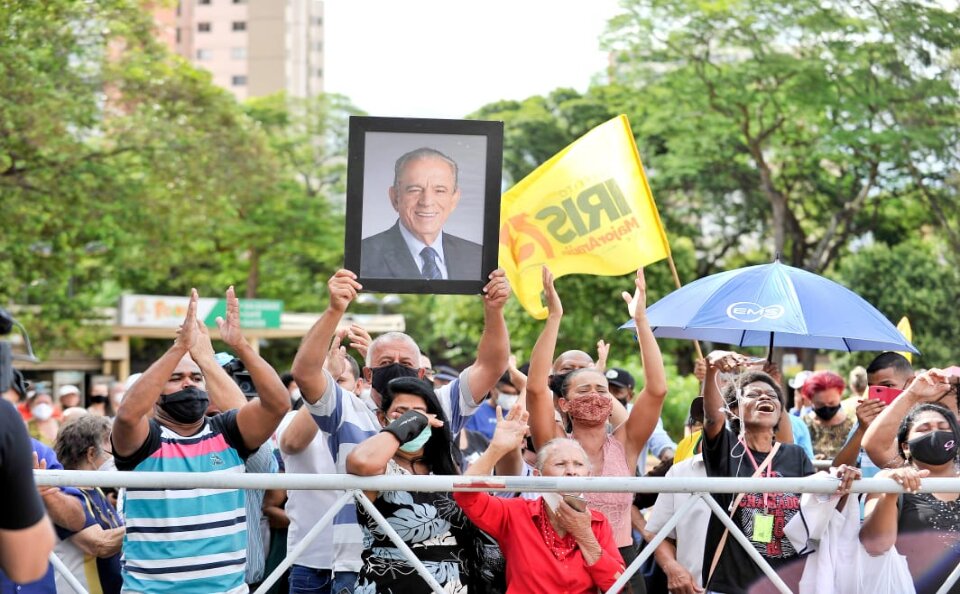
[66,575]
[339,482]
[653,544]
[304,543]
[392,534]
[747,546]
[951,580]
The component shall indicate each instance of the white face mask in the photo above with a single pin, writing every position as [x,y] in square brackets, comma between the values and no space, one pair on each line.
[296,395]
[507,401]
[108,466]
[552,500]
[42,411]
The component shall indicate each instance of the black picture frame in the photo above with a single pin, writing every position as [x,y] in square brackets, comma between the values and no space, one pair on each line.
[376,143]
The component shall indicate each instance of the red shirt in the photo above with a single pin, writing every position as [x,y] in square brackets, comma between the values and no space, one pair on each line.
[531,567]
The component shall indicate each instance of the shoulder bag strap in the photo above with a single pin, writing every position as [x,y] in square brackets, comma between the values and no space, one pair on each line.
[733,509]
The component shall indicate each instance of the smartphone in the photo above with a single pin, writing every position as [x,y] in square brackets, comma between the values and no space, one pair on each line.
[576,502]
[884,393]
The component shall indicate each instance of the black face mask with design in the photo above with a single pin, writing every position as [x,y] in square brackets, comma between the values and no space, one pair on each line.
[186,406]
[383,375]
[934,448]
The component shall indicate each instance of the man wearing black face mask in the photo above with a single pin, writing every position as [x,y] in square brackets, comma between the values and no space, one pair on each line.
[348,421]
[98,402]
[192,538]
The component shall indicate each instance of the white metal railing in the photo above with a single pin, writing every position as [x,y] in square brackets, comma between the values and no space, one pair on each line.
[354,486]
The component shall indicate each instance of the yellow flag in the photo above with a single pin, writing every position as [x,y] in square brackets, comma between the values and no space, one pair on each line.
[904,327]
[587,210]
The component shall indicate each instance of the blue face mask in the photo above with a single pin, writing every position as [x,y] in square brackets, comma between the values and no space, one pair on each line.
[416,444]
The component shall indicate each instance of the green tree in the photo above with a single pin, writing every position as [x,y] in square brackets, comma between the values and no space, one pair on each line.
[913,279]
[789,122]
[123,168]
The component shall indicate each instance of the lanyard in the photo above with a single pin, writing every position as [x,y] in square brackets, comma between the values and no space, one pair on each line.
[769,466]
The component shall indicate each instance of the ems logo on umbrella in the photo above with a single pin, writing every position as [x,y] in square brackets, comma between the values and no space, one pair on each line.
[774,305]
[747,311]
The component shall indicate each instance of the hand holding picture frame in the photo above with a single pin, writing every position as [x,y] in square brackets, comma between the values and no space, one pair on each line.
[423,203]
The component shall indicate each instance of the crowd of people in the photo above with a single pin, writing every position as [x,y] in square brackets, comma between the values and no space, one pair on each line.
[563,414]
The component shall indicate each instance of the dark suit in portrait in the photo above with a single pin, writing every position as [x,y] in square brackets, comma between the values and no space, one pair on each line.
[386,255]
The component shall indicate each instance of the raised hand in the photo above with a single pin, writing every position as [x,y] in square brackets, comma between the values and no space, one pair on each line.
[336,361]
[603,349]
[637,303]
[726,361]
[552,298]
[497,290]
[359,339]
[230,331]
[187,334]
[202,347]
[343,287]
[930,386]
[511,430]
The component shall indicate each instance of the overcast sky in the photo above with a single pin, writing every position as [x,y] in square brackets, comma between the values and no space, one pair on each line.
[446,58]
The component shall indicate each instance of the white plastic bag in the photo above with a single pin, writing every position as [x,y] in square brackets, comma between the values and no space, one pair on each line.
[885,574]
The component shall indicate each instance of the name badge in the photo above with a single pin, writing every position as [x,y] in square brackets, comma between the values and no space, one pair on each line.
[762,528]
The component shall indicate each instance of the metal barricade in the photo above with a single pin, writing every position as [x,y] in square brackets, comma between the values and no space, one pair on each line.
[354,487]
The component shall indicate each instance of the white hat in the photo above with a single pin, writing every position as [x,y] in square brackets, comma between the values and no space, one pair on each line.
[798,380]
[68,389]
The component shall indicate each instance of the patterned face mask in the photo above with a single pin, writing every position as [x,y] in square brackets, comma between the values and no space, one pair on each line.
[590,410]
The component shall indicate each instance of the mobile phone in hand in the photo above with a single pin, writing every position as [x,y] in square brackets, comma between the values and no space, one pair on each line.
[884,393]
[576,502]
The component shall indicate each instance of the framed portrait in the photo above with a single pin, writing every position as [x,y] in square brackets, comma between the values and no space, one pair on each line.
[423,203]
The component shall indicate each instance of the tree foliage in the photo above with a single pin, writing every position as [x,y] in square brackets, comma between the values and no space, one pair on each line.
[123,168]
[791,122]
[912,278]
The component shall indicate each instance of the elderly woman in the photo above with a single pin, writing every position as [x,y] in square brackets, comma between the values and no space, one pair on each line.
[754,401]
[415,441]
[93,554]
[549,545]
[586,400]
[925,527]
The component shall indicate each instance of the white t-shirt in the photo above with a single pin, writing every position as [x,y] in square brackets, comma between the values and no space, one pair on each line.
[691,532]
[305,508]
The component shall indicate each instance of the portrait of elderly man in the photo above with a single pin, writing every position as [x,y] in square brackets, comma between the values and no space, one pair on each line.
[424,193]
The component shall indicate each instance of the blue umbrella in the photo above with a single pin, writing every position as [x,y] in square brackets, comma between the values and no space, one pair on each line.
[774,305]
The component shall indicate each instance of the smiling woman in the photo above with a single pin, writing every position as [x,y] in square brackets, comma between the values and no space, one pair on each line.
[747,447]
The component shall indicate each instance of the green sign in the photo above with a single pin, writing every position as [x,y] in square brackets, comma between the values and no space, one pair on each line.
[254,313]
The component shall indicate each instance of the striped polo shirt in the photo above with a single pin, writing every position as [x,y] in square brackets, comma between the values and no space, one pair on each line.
[188,541]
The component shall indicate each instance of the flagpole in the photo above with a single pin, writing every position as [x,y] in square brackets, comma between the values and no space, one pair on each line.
[676,280]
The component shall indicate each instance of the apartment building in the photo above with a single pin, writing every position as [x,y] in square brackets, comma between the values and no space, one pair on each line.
[251,47]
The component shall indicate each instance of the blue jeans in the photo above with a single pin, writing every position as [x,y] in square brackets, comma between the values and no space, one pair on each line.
[308,580]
